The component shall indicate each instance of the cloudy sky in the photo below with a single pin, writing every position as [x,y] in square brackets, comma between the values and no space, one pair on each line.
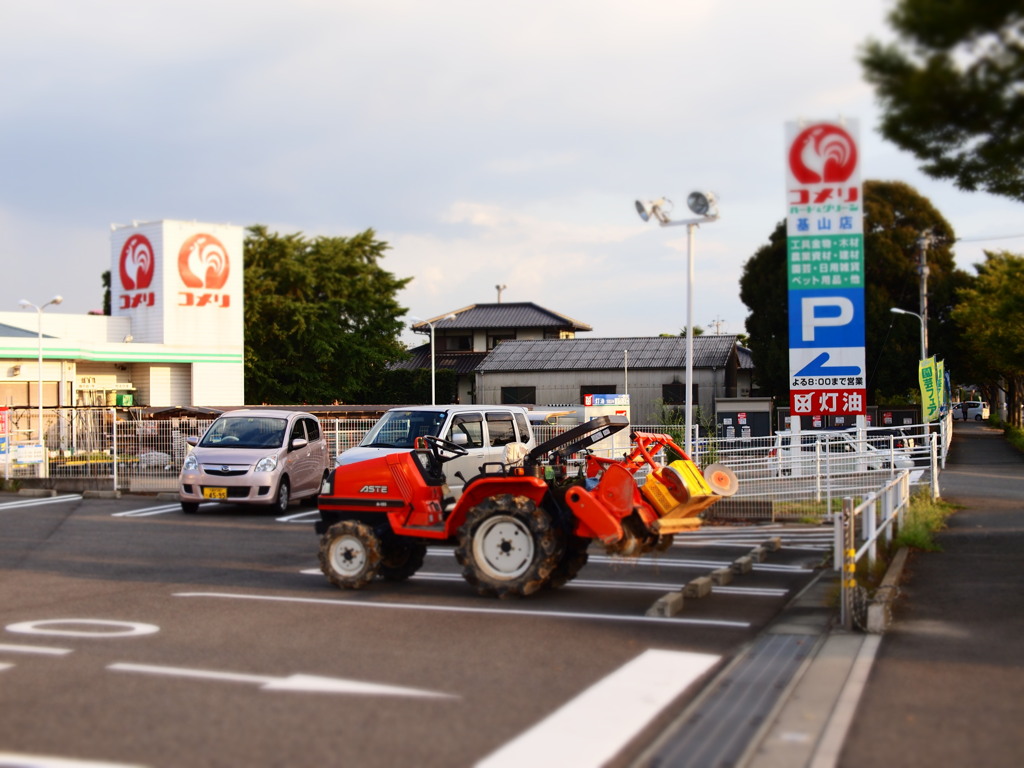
[489,144]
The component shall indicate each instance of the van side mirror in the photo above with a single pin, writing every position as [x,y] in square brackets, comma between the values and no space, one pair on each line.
[460,438]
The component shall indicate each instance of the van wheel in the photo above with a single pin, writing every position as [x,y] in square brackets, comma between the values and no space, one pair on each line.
[508,547]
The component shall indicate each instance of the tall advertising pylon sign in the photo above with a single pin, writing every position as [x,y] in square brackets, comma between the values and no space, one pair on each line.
[180,282]
[825,270]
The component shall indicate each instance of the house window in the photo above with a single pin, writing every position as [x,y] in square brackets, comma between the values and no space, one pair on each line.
[596,389]
[458,343]
[675,394]
[494,339]
[518,395]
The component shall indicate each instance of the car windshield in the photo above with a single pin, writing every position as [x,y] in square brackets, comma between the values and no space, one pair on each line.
[398,429]
[245,432]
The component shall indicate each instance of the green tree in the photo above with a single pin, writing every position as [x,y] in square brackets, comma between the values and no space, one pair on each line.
[952,92]
[991,312]
[895,216]
[321,317]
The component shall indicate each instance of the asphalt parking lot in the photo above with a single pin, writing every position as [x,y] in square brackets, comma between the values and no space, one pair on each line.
[132,634]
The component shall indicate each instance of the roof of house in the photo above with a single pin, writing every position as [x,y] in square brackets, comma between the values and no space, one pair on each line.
[463,363]
[524,314]
[709,351]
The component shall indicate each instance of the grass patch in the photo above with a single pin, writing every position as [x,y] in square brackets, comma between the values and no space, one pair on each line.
[924,518]
[1014,436]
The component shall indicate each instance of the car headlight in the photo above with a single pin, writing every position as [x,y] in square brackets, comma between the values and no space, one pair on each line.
[191,463]
[267,464]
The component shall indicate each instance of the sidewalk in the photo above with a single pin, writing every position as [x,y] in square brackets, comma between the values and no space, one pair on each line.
[945,685]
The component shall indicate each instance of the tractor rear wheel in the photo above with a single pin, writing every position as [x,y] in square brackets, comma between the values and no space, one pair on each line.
[573,559]
[508,547]
[349,554]
[401,557]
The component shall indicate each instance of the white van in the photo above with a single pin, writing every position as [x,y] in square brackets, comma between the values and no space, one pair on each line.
[483,430]
[977,410]
[831,452]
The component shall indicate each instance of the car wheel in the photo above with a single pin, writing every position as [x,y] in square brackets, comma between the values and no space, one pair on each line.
[283,496]
[189,507]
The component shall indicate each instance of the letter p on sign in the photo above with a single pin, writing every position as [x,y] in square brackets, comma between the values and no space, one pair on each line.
[823,311]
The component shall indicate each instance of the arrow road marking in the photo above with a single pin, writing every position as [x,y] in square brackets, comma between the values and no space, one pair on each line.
[299,682]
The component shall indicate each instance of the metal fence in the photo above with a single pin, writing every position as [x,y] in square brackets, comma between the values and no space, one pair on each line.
[805,480]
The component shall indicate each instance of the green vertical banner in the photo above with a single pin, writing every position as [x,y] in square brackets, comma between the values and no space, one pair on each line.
[931,384]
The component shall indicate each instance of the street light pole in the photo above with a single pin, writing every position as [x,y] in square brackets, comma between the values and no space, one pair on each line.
[705,206]
[39,371]
[433,369]
[924,337]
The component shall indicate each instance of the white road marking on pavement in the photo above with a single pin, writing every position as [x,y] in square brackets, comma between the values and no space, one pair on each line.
[5,666]
[298,682]
[40,502]
[598,584]
[18,760]
[148,511]
[592,728]
[297,517]
[37,649]
[341,602]
[106,628]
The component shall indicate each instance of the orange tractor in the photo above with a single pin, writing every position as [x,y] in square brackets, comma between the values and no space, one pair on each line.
[520,525]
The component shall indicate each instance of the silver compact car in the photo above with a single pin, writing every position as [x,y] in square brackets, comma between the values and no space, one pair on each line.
[255,456]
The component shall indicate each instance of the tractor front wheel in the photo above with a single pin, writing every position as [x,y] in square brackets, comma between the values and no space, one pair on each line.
[401,557]
[349,554]
[508,547]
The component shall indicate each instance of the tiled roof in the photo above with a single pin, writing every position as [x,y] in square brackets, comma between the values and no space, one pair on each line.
[709,351]
[524,314]
[463,363]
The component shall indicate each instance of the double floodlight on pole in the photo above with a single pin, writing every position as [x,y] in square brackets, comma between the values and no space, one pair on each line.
[25,304]
[433,372]
[924,343]
[705,205]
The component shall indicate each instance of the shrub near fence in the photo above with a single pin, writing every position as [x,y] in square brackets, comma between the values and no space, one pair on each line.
[146,455]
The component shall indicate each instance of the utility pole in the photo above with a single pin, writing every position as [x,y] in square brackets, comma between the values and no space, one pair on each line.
[922,269]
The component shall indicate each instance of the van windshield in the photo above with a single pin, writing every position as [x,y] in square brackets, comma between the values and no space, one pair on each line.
[399,429]
[242,432]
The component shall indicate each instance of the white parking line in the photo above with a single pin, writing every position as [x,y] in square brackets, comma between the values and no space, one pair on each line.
[597,724]
[37,649]
[648,586]
[148,511]
[40,502]
[341,602]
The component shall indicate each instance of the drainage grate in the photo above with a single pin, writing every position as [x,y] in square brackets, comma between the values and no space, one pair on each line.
[718,730]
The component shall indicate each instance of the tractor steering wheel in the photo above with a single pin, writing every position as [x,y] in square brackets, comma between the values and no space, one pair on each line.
[436,445]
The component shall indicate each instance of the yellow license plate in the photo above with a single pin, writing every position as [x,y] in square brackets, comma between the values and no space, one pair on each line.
[215,493]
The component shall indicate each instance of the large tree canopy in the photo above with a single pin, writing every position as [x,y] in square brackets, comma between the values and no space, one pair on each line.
[991,312]
[321,317]
[953,91]
[895,216]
